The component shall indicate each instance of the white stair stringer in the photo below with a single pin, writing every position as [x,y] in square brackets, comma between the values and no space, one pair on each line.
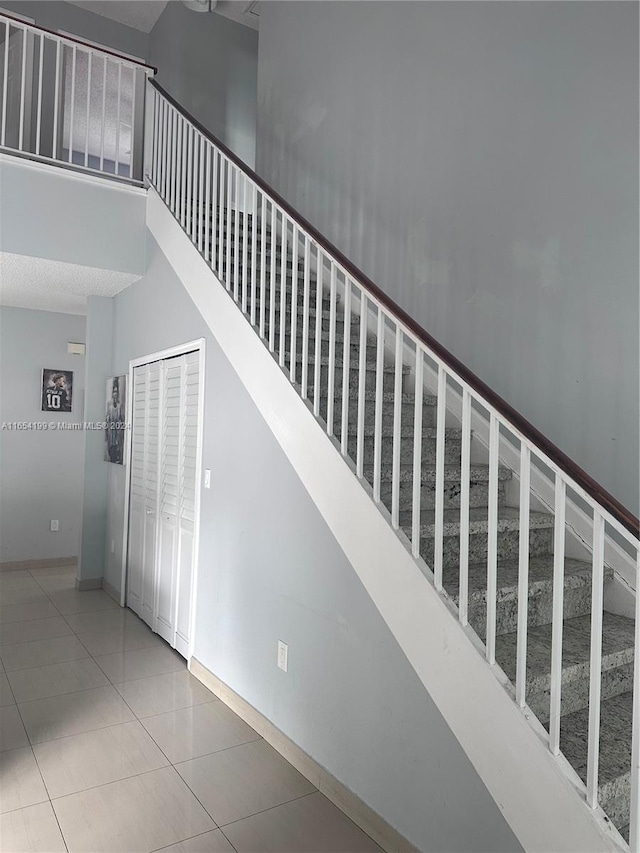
[539,795]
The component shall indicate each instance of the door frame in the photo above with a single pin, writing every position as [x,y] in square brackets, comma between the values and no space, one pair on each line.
[198,345]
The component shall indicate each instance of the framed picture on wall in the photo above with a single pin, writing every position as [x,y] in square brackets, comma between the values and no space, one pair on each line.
[57,390]
[115,419]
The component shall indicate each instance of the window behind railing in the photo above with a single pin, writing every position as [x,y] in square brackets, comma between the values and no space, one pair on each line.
[70,102]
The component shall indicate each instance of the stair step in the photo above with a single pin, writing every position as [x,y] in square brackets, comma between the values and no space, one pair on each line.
[478,485]
[452,446]
[614,770]
[617,661]
[540,534]
[577,592]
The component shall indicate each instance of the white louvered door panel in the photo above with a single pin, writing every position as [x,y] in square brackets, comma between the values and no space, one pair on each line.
[164,468]
[172,370]
[189,402]
[143,492]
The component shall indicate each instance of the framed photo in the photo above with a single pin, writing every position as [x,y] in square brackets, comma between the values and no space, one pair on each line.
[115,419]
[57,390]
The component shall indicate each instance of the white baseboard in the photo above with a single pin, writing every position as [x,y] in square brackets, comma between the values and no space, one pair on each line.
[88,583]
[25,565]
[376,827]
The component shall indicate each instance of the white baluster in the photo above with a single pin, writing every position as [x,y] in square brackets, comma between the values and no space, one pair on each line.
[439,484]
[417,452]
[523,576]
[332,349]
[306,303]
[558,610]
[362,361]
[465,480]
[492,539]
[595,664]
[346,367]
[397,429]
[377,423]
[318,351]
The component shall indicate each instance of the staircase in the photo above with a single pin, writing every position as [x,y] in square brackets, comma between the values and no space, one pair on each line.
[618,631]
[429,442]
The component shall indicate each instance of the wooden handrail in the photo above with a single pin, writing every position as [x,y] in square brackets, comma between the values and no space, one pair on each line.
[75,40]
[613,506]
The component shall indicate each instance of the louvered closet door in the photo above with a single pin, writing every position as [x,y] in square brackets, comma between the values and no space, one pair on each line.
[143,518]
[179,439]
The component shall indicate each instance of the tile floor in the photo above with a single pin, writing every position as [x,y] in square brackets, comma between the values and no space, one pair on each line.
[107,743]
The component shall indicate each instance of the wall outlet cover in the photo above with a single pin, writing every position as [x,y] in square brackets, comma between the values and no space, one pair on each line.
[283,655]
[54,525]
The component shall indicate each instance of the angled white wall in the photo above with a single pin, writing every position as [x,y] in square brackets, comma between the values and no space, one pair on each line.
[48,212]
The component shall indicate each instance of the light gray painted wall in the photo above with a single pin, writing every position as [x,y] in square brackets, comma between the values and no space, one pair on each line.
[209,64]
[479,161]
[96,471]
[57,15]
[270,569]
[55,215]
[41,472]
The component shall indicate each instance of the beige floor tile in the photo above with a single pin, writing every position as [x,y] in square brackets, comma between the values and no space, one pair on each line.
[10,581]
[36,629]
[38,682]
[53,571]
[72,713]
[162,693]
[131,636]
[308,825]
[31,595]
[21,784]
[31,830]
[56,583]
[25,612]
[73,764]
[87,601]
[6,694]
[209,842]
[42,652]
[140,663]
[135,815]
[109,620]
[239,782]
[12,733]
[199,730]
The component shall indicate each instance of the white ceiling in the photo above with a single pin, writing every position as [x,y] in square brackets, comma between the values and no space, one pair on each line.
[46,285]
[143,14]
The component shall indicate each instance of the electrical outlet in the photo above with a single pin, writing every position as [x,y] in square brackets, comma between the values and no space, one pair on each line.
[283,655]
[54,525]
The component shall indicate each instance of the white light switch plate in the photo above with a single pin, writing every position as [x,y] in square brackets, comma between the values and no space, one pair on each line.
[283,655]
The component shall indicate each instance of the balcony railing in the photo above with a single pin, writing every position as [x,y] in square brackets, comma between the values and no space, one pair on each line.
[68,102]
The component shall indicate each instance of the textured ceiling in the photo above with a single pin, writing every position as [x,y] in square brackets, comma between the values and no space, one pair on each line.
[139,14]
[28,282]
[143,14]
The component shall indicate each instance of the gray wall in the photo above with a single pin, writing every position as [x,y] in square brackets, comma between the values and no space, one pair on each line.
[96,470]
[480,162]
[270,569]
[57,15]
[209,64]
[41,472]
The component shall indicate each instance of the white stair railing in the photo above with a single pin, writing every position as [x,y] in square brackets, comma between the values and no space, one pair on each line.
[215,198]
[71,103]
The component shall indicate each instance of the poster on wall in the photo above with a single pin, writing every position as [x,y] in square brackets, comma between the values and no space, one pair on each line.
[57,390]
[115,417]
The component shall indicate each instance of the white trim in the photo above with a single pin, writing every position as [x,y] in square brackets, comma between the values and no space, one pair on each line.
[55,167]
[198,345]
[540,796]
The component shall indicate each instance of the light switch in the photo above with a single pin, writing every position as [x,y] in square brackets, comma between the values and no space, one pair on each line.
[207,478]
